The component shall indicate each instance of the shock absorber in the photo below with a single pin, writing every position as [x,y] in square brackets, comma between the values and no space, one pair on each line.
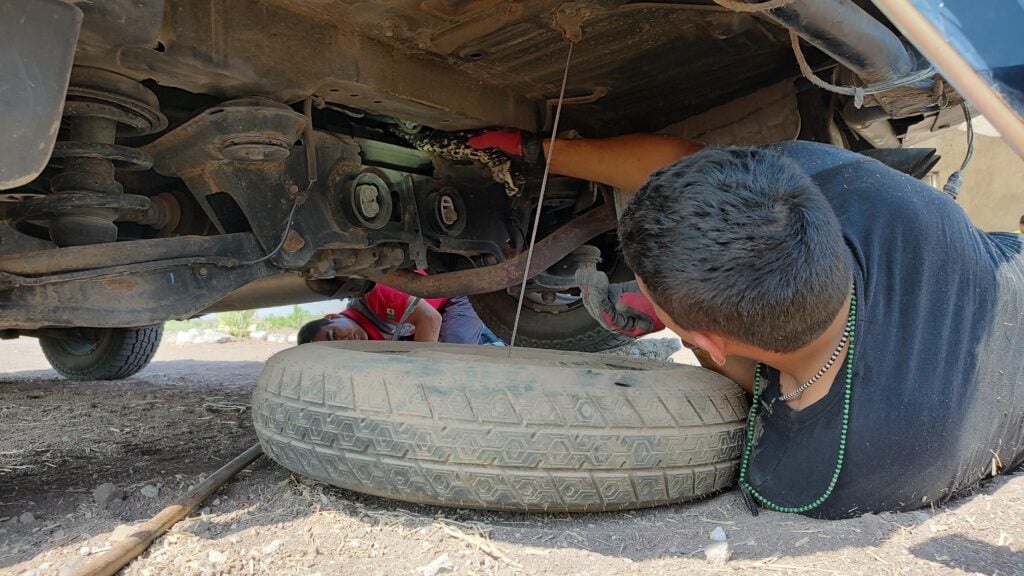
[85,197]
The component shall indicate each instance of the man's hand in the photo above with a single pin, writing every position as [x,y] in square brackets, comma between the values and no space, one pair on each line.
[618,307]
[515,143]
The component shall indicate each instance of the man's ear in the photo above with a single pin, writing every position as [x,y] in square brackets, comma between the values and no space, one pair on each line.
[711,343]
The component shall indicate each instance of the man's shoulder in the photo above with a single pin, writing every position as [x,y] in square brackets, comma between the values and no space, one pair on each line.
[386,302]
[815,157]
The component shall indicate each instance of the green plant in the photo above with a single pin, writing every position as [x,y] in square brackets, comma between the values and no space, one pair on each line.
[293,320]
[236,323]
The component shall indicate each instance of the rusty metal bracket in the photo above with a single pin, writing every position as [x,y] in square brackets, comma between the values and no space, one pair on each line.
[546,253]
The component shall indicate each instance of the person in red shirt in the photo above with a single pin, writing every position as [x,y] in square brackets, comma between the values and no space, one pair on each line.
[383,312]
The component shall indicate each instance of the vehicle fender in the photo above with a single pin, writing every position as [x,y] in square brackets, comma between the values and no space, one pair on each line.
[37,40]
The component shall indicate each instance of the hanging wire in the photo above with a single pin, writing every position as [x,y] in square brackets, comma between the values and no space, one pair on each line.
[956,179]
[284,236]
[540,201]
[858,92]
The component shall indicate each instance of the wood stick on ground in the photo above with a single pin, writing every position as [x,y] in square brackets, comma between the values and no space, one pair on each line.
[123,552]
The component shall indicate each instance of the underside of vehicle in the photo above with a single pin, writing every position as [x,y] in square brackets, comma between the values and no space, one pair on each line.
[191,156]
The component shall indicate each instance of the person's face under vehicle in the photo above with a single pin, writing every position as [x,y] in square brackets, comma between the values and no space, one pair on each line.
[340,329]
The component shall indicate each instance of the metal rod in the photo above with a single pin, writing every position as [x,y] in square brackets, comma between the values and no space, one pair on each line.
[547,252]
[123,552]
[540,200]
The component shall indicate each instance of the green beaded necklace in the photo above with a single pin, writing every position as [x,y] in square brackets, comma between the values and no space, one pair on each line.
[748,447]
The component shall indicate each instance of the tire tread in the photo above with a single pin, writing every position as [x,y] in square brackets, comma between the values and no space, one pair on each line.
[355,421]
[130,351]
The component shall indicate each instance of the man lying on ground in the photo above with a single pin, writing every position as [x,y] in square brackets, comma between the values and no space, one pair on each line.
[878,332]
[383,312]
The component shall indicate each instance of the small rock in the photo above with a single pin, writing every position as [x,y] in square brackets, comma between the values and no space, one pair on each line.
[214,337]
[272,547]
[85,550]
[122,532]
[27,518]
[293,337]
[650,348]
[199,527]
[204,511]
[258,335]
[216,502]
[71,567]
[149,491]
[718,535]
[217,557]
[718,552]
[106,493]
[438,565]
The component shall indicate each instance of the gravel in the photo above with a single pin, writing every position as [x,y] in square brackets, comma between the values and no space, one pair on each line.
[106,493]
[153,429]
[718,552]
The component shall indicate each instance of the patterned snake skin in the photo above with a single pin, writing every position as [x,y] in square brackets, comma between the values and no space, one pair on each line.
[454,146]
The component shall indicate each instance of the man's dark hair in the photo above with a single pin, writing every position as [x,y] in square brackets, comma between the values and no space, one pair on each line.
[740,242]
[1022,218]
[308,331]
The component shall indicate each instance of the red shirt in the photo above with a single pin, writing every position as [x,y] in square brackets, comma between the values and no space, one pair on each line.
[389,305]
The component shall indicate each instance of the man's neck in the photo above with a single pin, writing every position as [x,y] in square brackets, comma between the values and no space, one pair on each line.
[801,365]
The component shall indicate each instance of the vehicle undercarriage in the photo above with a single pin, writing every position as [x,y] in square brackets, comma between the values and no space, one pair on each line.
[210,156]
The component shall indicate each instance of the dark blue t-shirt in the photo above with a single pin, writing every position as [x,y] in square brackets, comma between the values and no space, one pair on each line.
[938,374]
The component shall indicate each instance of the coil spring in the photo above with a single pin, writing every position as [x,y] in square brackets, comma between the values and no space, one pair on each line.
[85,197]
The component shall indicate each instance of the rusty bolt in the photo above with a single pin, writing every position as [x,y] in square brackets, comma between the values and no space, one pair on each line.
[449,215]
[293,189]
[294,242]
[202,272]
[369,206]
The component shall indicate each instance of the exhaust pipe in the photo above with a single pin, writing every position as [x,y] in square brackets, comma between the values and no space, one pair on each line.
[849,35]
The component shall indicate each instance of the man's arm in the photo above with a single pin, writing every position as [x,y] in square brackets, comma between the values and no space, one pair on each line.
[427,322]
[621,161]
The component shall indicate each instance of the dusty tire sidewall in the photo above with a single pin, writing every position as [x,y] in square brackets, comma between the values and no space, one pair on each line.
[427,418]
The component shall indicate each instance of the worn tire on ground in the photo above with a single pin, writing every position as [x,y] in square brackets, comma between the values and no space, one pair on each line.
[116,353]
[464,426]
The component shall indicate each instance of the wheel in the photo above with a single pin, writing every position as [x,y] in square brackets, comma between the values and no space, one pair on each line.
[101,353]
[464,426]
[560,325]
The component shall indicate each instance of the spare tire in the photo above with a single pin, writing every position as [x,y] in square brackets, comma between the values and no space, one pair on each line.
[466,426]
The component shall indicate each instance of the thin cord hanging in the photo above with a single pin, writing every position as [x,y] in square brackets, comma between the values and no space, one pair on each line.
[858,92]
[956,179]
[540,201]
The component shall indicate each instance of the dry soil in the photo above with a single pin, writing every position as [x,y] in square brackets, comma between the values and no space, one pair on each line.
[156,434]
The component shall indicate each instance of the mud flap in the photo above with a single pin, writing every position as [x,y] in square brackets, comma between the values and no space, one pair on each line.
[37,40]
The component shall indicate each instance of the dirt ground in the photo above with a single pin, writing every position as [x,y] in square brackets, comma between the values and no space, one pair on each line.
[186,414]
